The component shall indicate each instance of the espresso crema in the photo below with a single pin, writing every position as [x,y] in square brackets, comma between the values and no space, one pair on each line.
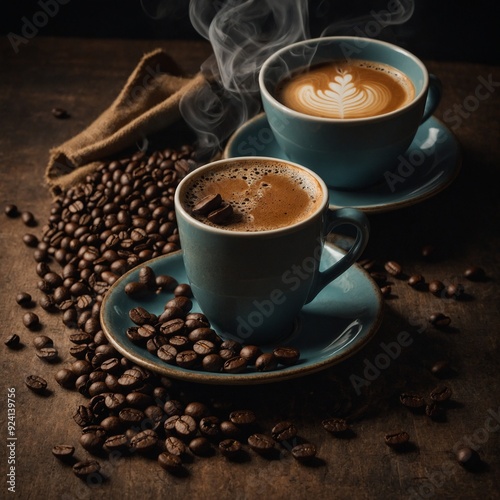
[346,89]
[265,195]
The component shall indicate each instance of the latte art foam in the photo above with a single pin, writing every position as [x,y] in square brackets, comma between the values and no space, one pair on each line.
[264,194]
[340,89]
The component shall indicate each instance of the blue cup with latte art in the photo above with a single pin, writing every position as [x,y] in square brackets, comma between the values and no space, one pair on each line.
[346,107]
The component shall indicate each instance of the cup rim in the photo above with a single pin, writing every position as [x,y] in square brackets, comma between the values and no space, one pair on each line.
[179,208]
[297,114]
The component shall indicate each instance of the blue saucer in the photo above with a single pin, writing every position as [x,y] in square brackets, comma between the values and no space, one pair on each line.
[339,322]
[429,165]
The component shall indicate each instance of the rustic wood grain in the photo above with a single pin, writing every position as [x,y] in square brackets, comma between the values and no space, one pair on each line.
[83,76]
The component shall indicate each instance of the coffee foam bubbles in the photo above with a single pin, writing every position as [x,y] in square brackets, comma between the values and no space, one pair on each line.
[354,89]
[264,195]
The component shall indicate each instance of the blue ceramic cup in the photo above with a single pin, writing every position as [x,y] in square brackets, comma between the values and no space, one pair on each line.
[252,284]
[348,153]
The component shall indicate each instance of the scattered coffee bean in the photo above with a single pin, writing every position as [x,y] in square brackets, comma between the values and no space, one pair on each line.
[30,240]
[283,431]
[86,468]
[230,448]
[261,443]
[475,273]
[63,451]
[396,439]
[60,113]
[24,299]
[36,384]
[186,426]
[467,457]
[455,291]
[393,268]
[266,362]
[386,291]
[287,356]
[428,251]
[28,219]
[436,287]
[412,400]
[439,320]
[304,452]
[242,417]
[144,441]
[175,446]
[65,378]
[200,446]
[12,341]
[336,426]
[11,210]
[442,369]
[441,393]
[416,280]
[49,354]
[435,411]
[169,462]
[236,364]
[31,321]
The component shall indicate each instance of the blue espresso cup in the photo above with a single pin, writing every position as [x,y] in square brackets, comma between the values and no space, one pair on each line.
[348,153]
[252,284]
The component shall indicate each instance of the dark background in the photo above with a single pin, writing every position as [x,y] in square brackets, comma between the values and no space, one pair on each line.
[461,30]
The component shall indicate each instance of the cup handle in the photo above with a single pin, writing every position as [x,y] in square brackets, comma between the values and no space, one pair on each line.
[336,218]
[433,96]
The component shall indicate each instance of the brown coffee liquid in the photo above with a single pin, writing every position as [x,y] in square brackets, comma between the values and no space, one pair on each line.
[346,89]
[265,195]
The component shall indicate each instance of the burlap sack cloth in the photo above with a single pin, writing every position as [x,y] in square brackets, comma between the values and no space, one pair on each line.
[148,103]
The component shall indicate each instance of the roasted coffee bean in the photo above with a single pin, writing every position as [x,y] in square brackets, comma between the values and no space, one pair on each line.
[86,468]
[230,429]
[200,333]
[47,303]
[204,347]
[175,446]
[336,426]
[207,204]
[31,321]
[183,303]
[131,416]
[386,291]
[436,287]
[221,215]
[167,353]
[169,424]
[455,291]
[236,364]
[165,283]
[169,462]
[467,457]
[197,410]
[131,378]
[83,416]
[173,407]
[146,331]
[186,426]
[11,210]
[284,431]
[230,448]
[144,441]
[261,443]
[439,320]
[147,277]
[174,326]
[393,268]
[28,218]
[12,341]
[226,354]
[442,369]
[475,273]
[183,289]
[212,363]
[138,399]
[24,299]
[65,378]
[250,353]
[200,446]
[287,356]
[186,359]
[49,354]
[60,113]
[36,383]
[266,362]
[304,452]
[81,367]
[434,411]
[114,401]
[441,393]
[30,240]
[210,426]
[136,289]
[396,439]
[118,442]
[141,316]
[111,424]
[92,438]
[63,451]
[412,400]
[242,417]
[416,280]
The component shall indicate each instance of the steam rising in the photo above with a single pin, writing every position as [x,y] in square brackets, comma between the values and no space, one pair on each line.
[243,34]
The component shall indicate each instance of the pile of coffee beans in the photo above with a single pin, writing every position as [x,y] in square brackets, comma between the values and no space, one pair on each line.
[185,339]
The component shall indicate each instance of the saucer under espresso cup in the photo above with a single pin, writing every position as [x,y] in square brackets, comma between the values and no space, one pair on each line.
[339,322]
[430,164]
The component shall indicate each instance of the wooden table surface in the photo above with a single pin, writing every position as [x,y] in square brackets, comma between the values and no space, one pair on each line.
[462,222]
